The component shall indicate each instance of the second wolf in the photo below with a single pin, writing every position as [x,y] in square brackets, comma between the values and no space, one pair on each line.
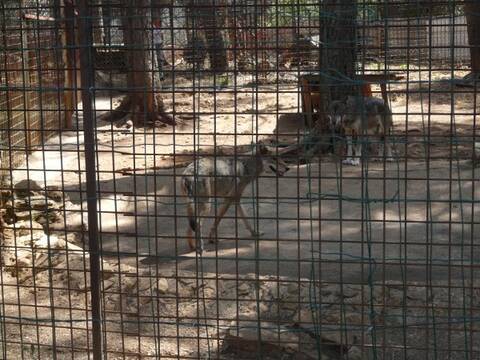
[224,177]
[361,119]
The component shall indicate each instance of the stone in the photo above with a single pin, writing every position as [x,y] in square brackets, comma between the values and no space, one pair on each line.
[349,292]
[5,194]
[79,281]
[276,341]
[290,304]
[162,286]
[185,292]
[26,215]
[54,193]
[304,316]
[50,241]
[21,204]
[52,250]
[73,238]
[292,288]
[395,297]
[476,154]
[244,289]
[9,214]
[27,187]
[40,203]
[48,217]
[26,240]
[22,258]
[73,207]
[264,309]
[27,228]
[73,223]
[145,284]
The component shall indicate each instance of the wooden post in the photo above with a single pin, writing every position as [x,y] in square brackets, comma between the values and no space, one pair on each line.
[306,101]
[26,76]
[472,13]
[338,53]
[68,43]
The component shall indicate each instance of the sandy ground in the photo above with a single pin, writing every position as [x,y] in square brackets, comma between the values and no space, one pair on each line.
[411,221]
[415,201]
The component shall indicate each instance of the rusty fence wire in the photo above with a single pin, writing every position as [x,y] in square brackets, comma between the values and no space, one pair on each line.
[239,179]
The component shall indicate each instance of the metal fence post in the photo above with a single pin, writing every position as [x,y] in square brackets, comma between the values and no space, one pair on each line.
[87,76]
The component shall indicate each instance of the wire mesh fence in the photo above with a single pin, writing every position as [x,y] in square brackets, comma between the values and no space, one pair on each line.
[242,179]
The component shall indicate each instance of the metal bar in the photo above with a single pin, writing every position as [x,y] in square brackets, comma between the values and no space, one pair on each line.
[87,79]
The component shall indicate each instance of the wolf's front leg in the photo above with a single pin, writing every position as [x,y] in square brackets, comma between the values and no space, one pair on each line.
[349,160]
[358,152]
[385,150]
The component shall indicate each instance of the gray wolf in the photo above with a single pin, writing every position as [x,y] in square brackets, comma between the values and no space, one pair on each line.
[224,177]
[361,119]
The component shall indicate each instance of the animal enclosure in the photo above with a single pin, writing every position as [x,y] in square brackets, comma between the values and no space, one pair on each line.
[248,179]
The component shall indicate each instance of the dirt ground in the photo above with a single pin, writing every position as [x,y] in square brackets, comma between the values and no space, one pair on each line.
[405,228]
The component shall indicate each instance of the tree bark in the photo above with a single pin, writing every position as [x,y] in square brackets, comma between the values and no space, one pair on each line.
[338,53]
[339,47]
[472,13]
[210,19]
[143,102]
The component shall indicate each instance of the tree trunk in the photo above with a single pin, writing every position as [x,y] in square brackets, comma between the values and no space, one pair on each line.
[338,53]
[472,13]
[210,19]
[337,70]
[143,102]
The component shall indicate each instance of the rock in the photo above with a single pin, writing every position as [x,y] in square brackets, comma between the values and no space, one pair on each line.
[290,305]
[244,289]
[476,154]
[185,292]
[27,228]
[264,309]
[78,281]
[251,340]
[26,240]
[292,288]
[107,284]
[49,217]
[75,208]
[50,241]
[395,297]
[40,203]
[21,205]
[304,316]
[46,250]
[9,214]
[162,286]
[26,215]
[129,284]
[5,194]
[73,238]
[54,193]
[73,223]
[348,292]
[144,285]
[27,187]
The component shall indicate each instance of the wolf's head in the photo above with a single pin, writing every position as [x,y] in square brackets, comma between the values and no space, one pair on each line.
[335,114]
[271,160]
